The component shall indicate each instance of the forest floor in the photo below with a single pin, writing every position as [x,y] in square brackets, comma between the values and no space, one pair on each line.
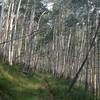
[14,85]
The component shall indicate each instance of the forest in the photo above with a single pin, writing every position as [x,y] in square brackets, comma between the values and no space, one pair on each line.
[49,49]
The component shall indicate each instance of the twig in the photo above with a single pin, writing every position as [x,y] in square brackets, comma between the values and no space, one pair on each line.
[50,92]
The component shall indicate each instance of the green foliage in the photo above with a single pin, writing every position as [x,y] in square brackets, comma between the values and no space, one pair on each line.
[31,2]
[71,20]
[38,5]
[56,9]
[45,38]
[49,37]
[77,3]
[45,19]
[98,3]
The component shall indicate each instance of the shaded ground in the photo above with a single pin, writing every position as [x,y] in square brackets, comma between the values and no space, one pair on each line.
[15,85]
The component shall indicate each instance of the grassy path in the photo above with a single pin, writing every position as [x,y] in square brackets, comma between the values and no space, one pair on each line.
[15,85]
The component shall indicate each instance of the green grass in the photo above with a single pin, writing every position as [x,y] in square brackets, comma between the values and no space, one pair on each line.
[14,85]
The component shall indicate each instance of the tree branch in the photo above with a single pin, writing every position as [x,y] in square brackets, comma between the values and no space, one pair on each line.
[50,92]
[83,63]
[19,37]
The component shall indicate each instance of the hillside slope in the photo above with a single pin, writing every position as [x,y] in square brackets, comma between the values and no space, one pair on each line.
[14,85]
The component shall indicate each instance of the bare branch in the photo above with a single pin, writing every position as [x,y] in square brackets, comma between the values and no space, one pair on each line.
[25,36]
[82,65]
